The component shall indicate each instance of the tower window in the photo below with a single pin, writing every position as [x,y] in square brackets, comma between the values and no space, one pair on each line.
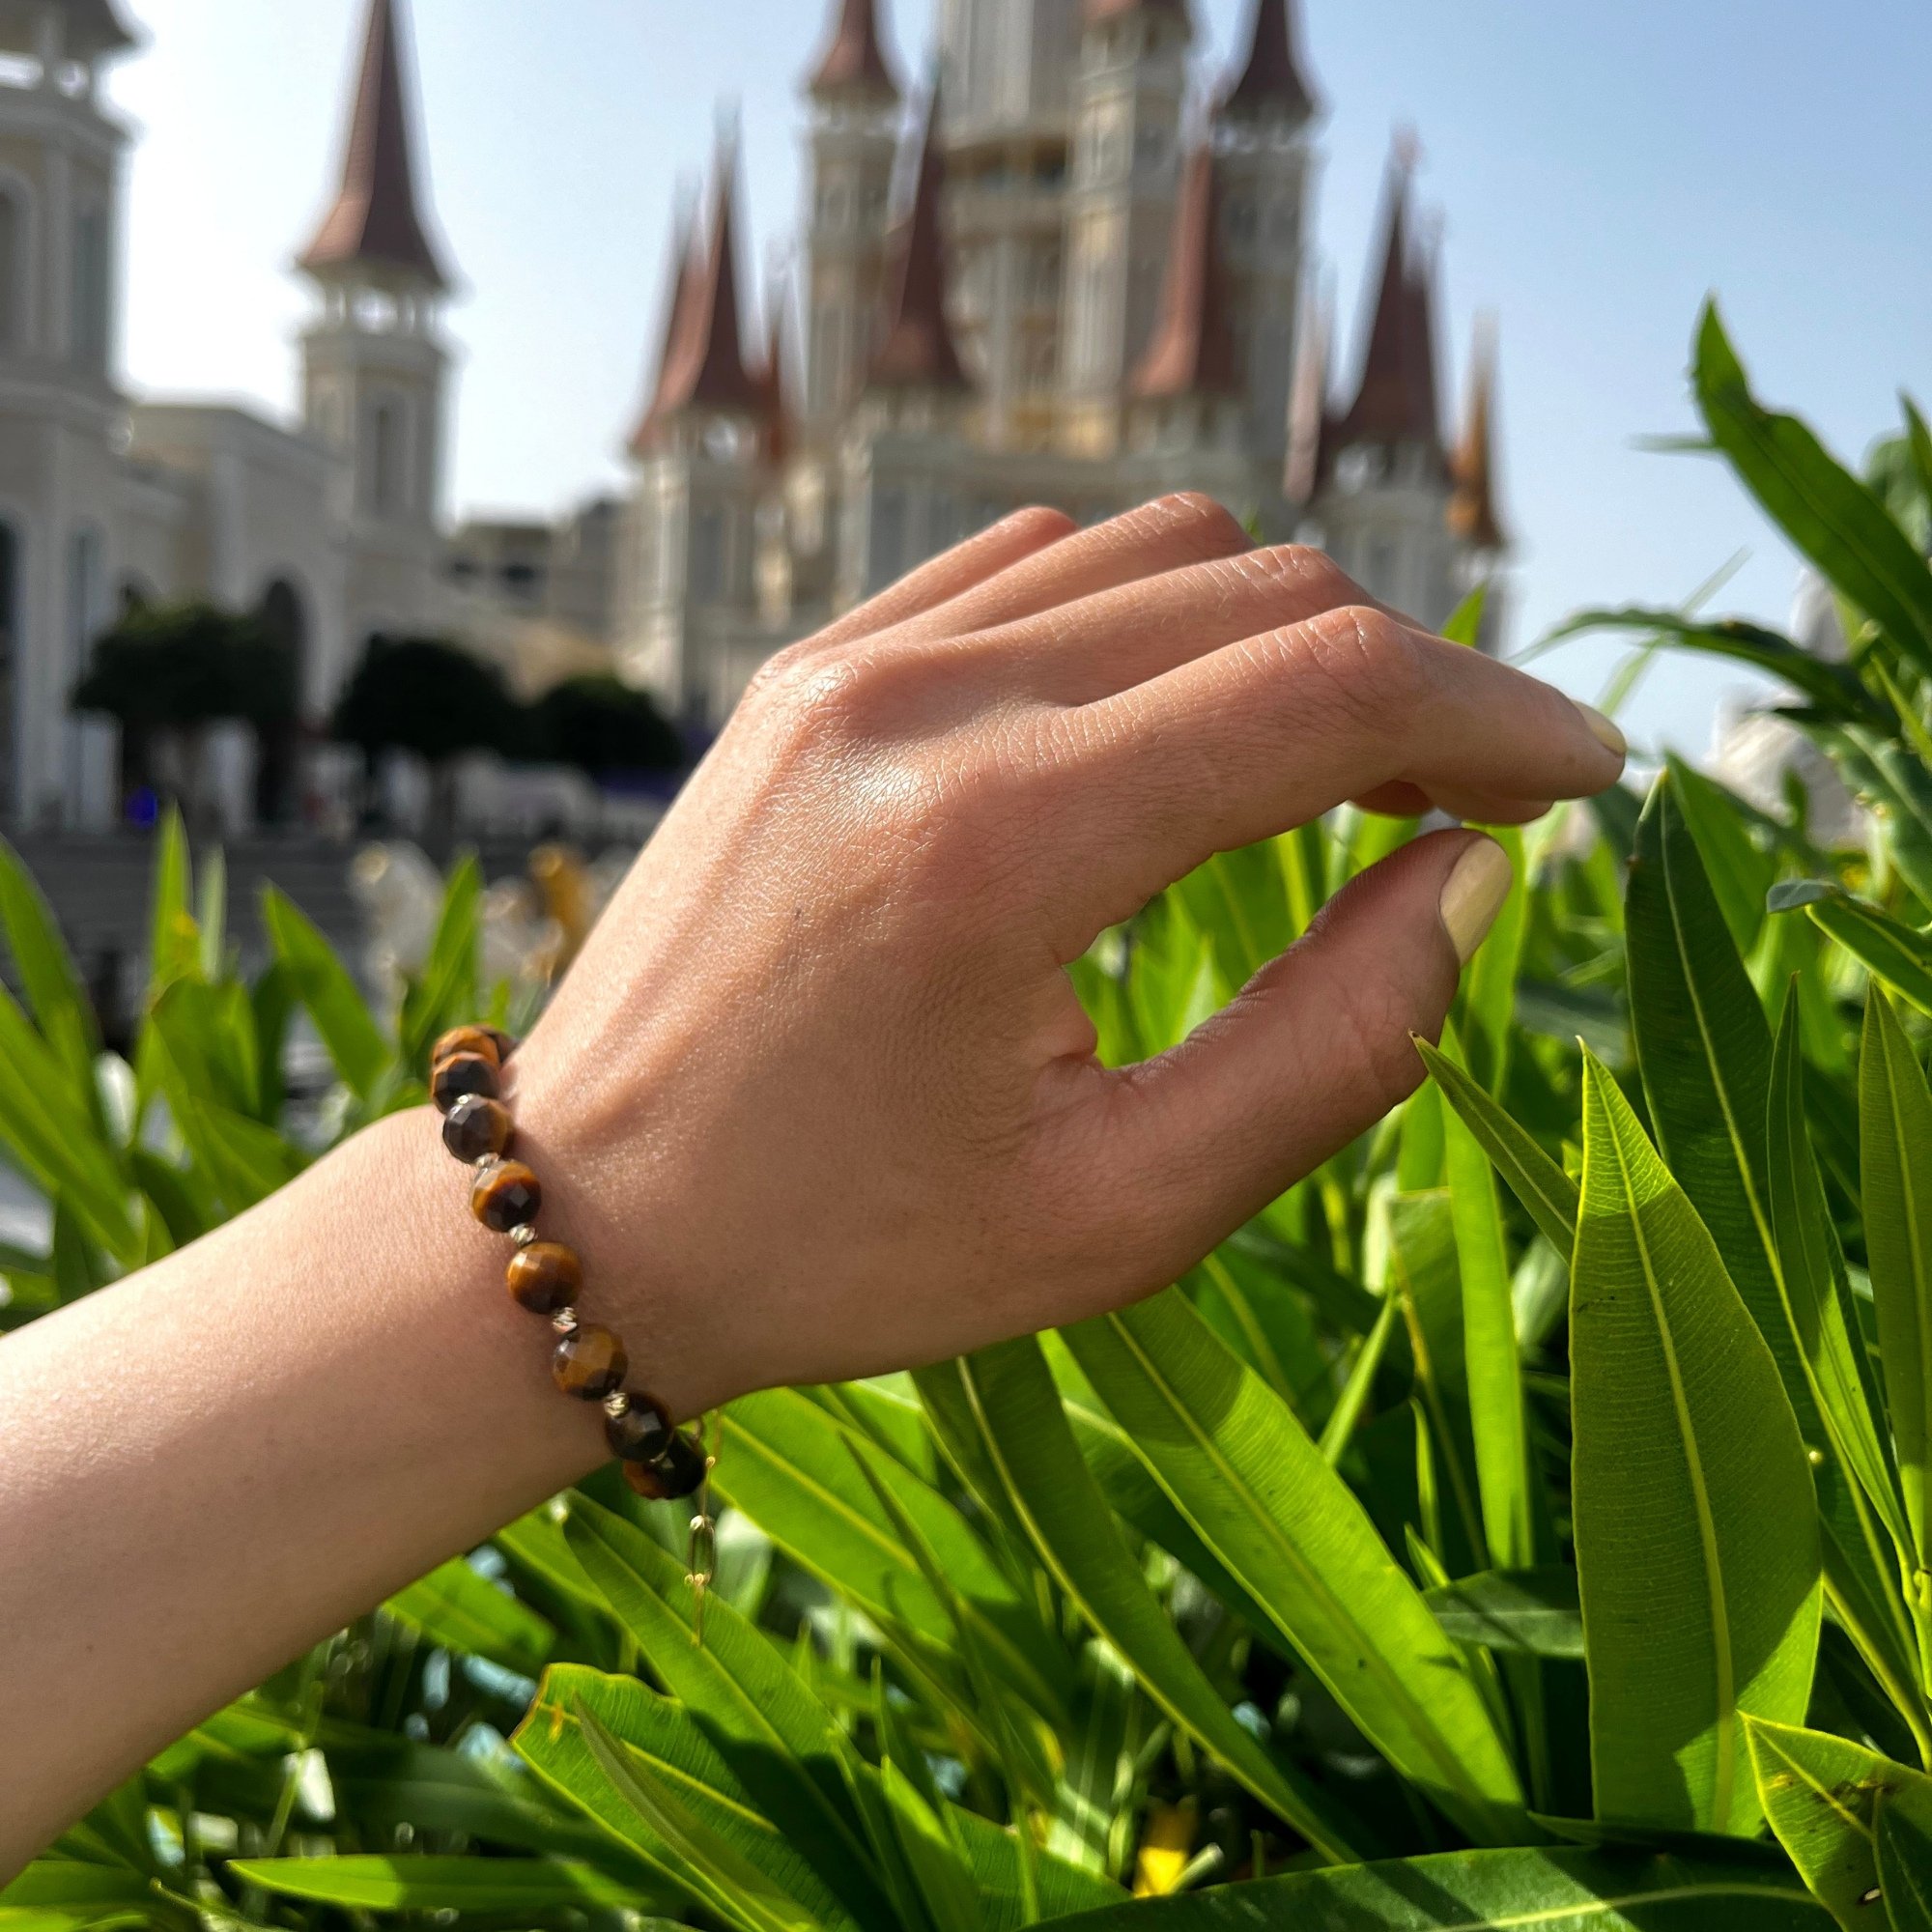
[385,457]
[13,268]
[90,289]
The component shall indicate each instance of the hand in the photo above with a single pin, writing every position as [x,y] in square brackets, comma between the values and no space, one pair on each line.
[818,1099]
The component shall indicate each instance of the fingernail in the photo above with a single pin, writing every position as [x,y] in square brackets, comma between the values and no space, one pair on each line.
[1604,730]
[1474,893]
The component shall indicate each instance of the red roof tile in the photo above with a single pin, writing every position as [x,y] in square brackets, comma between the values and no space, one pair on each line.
[1098,13]
[916,345]
[1472,506]
[1273,76]
[376,221]
[1395,400]
[854,60]
[1192,349]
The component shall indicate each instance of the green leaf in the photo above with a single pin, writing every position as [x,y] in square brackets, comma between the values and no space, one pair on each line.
[1820,1794]
[374,1884]
[1533,1611]
[1488,1005]
[67,1883]
[1895,1160]
[1022,1426]
[937,1863]
[455,1607]
[1465,624]
[1258,1492]
[1467,1891]
[1829,516]
[444,995]
[1903,1822]
[1833,688]
[47,975]
[1546,1191]
[321,983]
[1820,1295]
[766,1724]
[730,1884]
[1740,874]
[1897,953]
[668,1750]
[55,1138]
[174,945]
[785,1462]
[1696,1529]
[1489,1361]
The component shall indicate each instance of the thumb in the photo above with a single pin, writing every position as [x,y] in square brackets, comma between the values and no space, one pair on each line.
[1314,1051]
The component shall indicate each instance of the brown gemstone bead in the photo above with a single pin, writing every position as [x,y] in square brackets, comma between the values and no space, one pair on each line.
[462,1073]
[642,1433]
[545,1277]
[677,1472]
[506,1196]
[590,1362]
[502,1042]
[476,1128]
[484,1040]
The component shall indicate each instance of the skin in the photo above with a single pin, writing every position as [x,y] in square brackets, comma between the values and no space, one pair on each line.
[816,1101]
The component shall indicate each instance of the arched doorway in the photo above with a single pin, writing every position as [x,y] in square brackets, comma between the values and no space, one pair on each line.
[9,633]
[278,767]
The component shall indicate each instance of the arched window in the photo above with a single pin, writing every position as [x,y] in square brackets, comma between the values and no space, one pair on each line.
[13,268]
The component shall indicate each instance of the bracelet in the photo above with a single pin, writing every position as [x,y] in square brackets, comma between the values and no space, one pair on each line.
[659,1461]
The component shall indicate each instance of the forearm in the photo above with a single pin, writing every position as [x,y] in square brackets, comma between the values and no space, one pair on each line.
[213,1465]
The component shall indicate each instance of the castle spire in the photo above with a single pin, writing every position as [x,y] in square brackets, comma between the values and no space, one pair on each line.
[1192,349]
[704,364]
[916,345]
[1472,506]
[854,61]
[678,312]
[377,222]
[1271,81]
[1395,399]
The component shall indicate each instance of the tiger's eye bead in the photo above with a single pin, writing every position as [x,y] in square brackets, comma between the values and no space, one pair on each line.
[678,1472]
[589,1363]
[642,1433]
[501,1041]
[545,1277]
[477,1039]
[506,1195]
[462,1073]
[476,1128]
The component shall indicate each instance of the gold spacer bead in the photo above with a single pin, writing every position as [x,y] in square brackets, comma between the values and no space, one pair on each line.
[523,1234]
[564,1322]
[617,1406]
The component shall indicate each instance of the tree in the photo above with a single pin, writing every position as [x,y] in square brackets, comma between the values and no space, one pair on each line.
[429,696]
[604,727]
[178,668]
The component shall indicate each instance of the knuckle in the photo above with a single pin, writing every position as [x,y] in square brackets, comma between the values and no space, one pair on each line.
[1300,569]
[1364,663]
[1207,527]
[1040,524]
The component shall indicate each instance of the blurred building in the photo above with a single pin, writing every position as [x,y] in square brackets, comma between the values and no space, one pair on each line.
[1079,277]
[1075,272]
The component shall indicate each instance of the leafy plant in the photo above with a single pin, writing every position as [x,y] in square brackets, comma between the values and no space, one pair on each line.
[1521,1522]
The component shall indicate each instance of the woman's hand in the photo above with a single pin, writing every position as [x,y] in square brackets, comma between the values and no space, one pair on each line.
[818,1099]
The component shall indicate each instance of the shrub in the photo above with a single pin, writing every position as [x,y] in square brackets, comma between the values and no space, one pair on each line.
[1506,1529]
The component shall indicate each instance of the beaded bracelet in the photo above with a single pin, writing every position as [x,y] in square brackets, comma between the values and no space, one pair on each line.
[660,1461]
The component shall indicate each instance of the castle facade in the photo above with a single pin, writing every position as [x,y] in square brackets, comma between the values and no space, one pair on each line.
[1074,273]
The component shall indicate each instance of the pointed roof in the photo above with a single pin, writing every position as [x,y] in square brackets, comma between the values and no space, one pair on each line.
[1272,79]
[772,378]
[916,345]
[376,221]
[703,362]
[854,61]
[1472,504]
[1311,426]
[1395,400]
[683,279]
[1191,351]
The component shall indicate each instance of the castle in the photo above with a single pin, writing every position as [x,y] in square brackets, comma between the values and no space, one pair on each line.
[1079,278]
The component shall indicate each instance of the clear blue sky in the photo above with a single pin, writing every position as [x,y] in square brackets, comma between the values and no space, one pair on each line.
[1597,167]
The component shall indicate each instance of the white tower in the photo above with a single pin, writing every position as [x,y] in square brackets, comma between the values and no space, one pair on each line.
[1127,105]
[375,367]
[1261,133]
[60,195]
[854,138]
[1008,68]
